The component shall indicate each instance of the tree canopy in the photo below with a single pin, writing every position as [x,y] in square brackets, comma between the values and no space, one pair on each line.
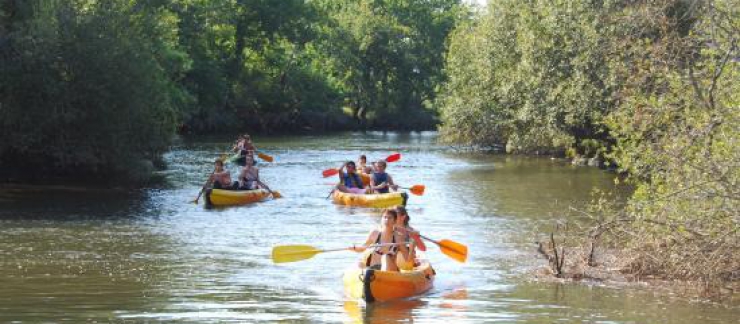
[97,88]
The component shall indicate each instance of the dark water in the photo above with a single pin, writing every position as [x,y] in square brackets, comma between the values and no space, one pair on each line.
[151,256]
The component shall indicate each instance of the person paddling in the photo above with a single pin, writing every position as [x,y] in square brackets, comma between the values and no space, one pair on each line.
[350,181]
[245,147]
[382,182]
[221,178]
[362,166]
[410,236]
[383,257]
[249,177]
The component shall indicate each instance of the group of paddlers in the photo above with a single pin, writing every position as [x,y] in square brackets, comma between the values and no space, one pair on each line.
[351,175]
[248,178]
[392,246]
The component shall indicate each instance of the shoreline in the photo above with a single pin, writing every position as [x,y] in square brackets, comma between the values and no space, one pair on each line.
[611,270]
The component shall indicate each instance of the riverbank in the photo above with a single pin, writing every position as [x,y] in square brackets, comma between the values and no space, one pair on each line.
[589,263]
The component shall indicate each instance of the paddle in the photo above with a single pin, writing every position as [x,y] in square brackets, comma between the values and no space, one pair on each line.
[293,253]
[265,156]
[195,201]
[416,189]
[454,250]
[391,158]
[329,172]
[275,194]
[202,189]
[261,155]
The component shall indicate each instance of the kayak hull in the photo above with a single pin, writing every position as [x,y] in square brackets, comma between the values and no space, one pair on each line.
[378,286]
[370,200]
[220,197]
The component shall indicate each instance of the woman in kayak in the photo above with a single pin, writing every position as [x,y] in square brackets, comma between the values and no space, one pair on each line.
[410,236]
[221,178]
[383,257]
[381,181]
[350,182]
[249,177]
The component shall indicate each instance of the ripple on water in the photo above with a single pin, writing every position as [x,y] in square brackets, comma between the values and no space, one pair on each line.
[152,255]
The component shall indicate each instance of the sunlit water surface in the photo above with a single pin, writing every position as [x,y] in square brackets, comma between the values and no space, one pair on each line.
[151,256]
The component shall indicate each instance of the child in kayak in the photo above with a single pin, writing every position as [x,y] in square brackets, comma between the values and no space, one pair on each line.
[384,257]
[410,236]
[221,178]
[350,182]
[381,181]
[362,166]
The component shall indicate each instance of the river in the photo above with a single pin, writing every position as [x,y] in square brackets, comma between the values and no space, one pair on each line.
[74,255]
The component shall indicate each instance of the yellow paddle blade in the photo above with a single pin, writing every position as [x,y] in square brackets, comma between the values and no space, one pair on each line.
[452,249]
[293,253]
[265,157]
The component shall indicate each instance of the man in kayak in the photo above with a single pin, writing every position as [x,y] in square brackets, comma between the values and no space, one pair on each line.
[350,182]
[386,245]
[382,182]
[221,178]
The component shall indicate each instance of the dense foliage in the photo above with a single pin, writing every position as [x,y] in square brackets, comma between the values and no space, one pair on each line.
[653,85]
[678,129]
[97,88]
[527,74]
[85,92]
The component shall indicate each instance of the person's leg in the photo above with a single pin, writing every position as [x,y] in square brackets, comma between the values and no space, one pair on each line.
[389,264]
[342,188]
[356,191]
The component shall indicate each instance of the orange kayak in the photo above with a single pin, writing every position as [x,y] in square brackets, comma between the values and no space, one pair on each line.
[376,285]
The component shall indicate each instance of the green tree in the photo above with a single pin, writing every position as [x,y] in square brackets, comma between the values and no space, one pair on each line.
[677,133]
[530,75]
[87,89]
[388,57]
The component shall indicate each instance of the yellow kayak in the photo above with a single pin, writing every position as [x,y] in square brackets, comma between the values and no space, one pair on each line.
[370,200]
[376,285]
[220,197]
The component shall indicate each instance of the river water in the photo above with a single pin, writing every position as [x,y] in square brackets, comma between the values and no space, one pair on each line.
[75,255]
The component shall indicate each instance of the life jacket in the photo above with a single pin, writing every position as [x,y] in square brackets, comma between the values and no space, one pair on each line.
[380,178]
[352,181]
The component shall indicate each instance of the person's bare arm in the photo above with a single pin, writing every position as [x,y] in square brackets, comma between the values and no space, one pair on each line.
[370,240]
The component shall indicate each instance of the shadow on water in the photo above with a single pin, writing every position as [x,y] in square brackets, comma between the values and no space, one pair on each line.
[75,203]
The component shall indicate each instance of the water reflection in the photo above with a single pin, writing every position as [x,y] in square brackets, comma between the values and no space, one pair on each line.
[397,311]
